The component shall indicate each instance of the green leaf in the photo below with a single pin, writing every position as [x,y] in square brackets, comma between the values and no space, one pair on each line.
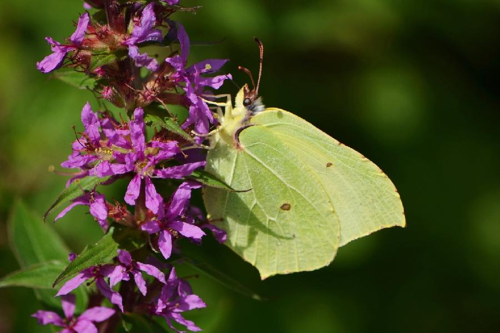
[38,276]
[101,60]
[104,251]
[32,240]
[221,278]
[210,180]
[36,243]
[170,125]
[76,79]
[73,191]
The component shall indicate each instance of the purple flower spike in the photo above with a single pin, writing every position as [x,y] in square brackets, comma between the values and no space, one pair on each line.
[98,273]
[129,267]
[82,324]
[170,224]
[175,298]
[55,60]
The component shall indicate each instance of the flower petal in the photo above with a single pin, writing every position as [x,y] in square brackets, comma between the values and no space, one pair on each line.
[152,198]
[151,227]
[179,201]
[188,323]
[83,22]
[109,293]
[85,326]
[190,302]
[76,202]
[183,41]
[133,190]
[139,281]
[48,317]
[68,305]
[165,244]
[97,314]
[53,61]
[118,274]
[75,282]
[124,257]
[152,271]
[145,32]
[137,131]
[180,171]
[98,207]
[91,123]
[187,230]
[142,59]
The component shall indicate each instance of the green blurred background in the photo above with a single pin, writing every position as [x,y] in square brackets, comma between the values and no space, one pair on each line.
[413,85]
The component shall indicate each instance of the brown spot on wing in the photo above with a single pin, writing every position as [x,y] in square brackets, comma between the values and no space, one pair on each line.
[285,206]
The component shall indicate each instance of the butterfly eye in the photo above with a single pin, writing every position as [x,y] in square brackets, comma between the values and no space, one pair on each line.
[247,101]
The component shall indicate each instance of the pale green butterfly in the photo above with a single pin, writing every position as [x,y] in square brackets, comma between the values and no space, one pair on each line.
[309,194]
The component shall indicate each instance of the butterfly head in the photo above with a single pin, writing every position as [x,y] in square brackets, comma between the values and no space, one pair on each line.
[249,101]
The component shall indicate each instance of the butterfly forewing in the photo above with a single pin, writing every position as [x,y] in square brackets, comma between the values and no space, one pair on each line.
[364,198]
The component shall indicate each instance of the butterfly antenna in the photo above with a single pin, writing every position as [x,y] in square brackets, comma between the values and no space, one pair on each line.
[232,81]
[247,71]
[261,56]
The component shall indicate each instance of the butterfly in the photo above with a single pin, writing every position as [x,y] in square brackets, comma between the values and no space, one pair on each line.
[309,194]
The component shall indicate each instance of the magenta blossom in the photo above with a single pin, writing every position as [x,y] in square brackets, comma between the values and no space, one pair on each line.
[144,160]
[170,222]
[82,324]
[176,297]
[96,153]
[98,273]
[54,60]
[129,267]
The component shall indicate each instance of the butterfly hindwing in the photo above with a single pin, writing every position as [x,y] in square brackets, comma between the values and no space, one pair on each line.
[285,223]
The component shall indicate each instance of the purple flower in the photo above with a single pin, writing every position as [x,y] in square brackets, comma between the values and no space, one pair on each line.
[176,297]
[194,83]
[98,207]
[129,267]
[144,31]
[98,273]
[170,222]
[143,161]
[54,60]
[82,324]
[94,155]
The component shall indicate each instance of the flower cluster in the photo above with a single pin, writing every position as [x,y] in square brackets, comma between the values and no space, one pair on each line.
[109,46]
